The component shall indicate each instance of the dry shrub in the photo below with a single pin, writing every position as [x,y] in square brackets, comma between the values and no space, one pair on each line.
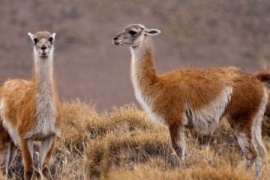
[132,139]
[124,151]
[81,122]
[129,117]
[202,173]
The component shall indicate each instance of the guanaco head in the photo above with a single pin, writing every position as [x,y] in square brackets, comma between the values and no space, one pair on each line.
[43,43]
[133,35]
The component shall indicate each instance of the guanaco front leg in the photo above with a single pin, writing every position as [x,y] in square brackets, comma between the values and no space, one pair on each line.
[27,153]
[13,153]
[7,158]
[46,151]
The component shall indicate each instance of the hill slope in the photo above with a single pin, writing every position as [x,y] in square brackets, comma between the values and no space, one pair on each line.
[125,144]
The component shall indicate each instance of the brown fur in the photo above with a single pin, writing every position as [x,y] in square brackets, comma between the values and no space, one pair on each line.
[265,77]
[20,110]
[199,87]
[23,104]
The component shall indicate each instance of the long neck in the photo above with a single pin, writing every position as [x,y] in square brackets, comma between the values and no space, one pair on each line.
[143,71]
[43,75]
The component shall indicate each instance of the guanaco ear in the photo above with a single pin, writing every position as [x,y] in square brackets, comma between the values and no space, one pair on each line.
[52,37]
[152,32]
[33,37]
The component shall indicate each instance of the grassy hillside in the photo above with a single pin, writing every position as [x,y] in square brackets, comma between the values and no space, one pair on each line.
[124,144]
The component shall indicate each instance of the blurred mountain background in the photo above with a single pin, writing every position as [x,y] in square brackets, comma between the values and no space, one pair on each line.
[195,33]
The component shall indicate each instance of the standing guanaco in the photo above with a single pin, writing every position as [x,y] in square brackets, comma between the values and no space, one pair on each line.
[30,110]
[198,97]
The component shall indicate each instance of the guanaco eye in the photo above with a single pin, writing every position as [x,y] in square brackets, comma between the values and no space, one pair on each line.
[132,32]
[51,39]
[35,40]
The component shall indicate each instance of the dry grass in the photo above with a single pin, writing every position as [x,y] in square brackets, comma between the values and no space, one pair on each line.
[209,173]
[125,144]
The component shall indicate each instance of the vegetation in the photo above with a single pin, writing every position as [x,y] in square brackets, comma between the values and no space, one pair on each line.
[125,144]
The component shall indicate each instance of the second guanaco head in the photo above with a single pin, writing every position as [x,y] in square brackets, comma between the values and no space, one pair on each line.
[133,35]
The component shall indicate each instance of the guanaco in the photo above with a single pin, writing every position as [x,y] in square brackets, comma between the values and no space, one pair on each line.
[197,97]
[30,110]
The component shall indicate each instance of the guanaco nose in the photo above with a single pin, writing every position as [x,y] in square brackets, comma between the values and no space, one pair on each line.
[43,48]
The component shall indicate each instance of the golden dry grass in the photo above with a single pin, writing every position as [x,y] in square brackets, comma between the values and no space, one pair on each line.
[125,144]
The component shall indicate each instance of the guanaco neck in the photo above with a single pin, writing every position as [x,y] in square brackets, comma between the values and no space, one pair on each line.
[43,76]
[143,73]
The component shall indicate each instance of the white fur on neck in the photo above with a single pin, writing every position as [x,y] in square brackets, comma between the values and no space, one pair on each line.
[44,70]
[137,59]
[46,107]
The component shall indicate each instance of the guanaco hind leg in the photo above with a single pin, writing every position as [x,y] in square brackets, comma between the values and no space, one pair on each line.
[261,151]
[27,154]
[178,140]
